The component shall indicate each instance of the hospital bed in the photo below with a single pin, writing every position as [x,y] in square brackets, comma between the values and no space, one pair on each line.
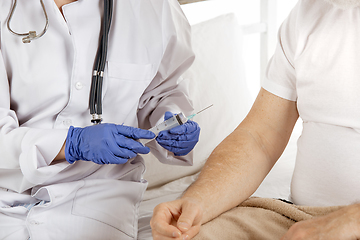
[223,41]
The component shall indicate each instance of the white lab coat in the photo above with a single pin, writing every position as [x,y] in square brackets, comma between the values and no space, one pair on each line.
[44,88]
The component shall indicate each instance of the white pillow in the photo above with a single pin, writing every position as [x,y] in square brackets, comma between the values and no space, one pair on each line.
[216,77]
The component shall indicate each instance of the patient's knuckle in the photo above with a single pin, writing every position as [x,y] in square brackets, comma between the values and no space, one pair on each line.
[157,207]
[160,207]
[154,224]
[155,235]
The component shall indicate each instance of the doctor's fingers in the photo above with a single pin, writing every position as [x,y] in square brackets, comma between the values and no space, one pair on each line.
[114,154]
[135,133]
[187,128]
[168,115]
[178,151]
[177,144]
[110,158]
[130,144]
[165,135]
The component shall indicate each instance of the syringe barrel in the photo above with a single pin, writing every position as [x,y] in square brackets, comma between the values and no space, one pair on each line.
[176,120]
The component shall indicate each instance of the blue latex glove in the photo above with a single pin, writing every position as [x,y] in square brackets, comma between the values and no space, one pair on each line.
[105,143]
[181,139]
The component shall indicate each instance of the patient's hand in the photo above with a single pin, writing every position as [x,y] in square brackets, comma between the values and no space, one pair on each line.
[179,219]
[343,224]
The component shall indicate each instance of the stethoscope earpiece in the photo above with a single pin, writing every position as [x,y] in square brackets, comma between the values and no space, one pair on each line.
[31,35]
[28,37]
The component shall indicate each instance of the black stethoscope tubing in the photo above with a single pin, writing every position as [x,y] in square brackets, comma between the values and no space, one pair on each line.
[95,98]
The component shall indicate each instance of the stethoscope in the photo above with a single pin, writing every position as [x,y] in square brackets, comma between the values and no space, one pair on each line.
[27,37]
[95,98]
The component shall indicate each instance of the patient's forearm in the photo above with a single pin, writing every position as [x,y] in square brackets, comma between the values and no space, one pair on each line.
[233,172]
[239,164]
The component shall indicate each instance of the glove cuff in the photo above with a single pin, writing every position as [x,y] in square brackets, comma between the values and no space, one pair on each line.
[70,152]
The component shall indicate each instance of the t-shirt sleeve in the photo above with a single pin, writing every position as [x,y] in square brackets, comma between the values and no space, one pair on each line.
[280,76]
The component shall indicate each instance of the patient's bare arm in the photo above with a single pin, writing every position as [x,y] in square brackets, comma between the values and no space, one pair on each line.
[233,171]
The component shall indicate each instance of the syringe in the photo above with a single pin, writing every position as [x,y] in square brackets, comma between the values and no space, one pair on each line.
[193,115]
[176,120]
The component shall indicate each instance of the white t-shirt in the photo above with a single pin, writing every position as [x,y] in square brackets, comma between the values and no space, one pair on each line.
[317,64]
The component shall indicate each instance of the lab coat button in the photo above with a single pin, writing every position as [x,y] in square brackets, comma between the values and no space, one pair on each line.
[78,85]
[33,222]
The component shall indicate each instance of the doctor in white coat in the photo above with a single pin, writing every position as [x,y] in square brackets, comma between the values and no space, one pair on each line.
[60,177]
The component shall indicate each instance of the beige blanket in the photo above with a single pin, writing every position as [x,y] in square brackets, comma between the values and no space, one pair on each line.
[259,218]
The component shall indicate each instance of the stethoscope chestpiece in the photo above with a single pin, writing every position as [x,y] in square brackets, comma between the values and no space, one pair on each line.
[96,119]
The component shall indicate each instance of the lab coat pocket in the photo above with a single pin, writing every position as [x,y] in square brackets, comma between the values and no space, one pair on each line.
[111,202]
[125,85]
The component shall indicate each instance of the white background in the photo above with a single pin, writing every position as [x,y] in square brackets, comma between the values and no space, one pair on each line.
[247,13]
[251,52]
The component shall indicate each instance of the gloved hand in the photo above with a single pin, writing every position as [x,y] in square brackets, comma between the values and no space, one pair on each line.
[181,139]
[105,143]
